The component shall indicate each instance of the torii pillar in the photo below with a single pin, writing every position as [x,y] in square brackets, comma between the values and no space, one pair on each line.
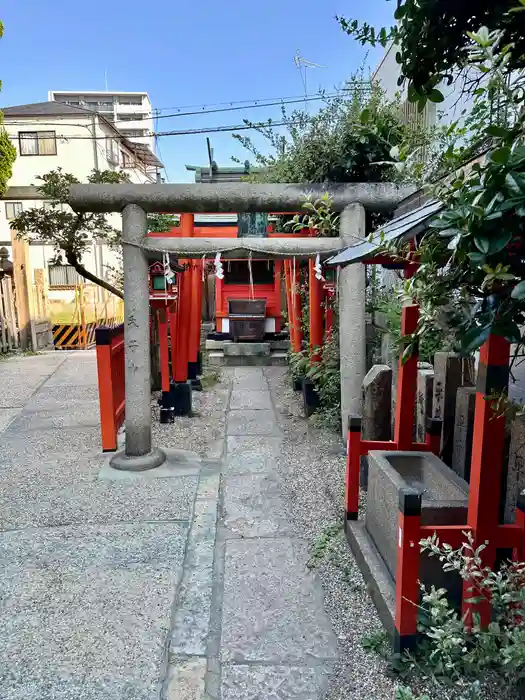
[352,330]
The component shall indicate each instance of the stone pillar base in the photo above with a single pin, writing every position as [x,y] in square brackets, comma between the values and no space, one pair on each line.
[141,463]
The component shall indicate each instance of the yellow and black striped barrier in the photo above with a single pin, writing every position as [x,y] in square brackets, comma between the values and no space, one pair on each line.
[74,336]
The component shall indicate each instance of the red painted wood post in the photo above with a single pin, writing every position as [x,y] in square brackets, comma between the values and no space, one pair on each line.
[433,434]
[353,466]
[289,305]
[277,274]
[173,320]
[406,384]
[183,325]
[295,276]
[316,313]
[407,571]
[196,317]
[108,425]
[164,349]
[488,443]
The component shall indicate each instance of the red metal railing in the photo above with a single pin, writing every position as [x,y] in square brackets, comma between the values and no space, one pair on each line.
[110,367]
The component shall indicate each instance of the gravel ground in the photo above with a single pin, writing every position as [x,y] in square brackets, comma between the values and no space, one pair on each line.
[312,471]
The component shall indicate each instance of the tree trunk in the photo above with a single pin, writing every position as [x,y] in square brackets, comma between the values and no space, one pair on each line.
[72,260]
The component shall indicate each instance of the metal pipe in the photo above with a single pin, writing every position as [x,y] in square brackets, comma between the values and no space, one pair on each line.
[232,197]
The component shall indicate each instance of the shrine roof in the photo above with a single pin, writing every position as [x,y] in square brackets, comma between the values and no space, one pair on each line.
[407,225]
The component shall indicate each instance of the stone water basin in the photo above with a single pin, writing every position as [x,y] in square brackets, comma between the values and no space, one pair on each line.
[444,502]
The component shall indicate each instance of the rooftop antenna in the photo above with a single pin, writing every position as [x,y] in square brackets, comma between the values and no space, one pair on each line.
[302,66]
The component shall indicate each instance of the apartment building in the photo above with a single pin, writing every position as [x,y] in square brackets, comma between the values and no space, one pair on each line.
[131,112]
[51,135]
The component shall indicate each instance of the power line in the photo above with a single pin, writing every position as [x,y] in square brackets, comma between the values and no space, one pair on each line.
[182,132]
[352,83]
[248,104]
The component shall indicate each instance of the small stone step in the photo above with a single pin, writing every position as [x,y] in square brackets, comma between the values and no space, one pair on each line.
[279,358]
[247,350]
[216,358]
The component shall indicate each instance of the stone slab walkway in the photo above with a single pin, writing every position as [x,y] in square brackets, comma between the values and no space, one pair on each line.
[186,584]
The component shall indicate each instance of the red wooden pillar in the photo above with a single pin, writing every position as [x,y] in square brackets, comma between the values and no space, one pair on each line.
[173,320]
[407,571]
[295,292]
[164,349]
[196,316]
[406,384]
[289,309]
[183,328]
[277,273]
[434,427]
[316,313]
[488,442]
[353,465]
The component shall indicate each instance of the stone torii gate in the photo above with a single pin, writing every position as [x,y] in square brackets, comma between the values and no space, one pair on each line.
[136,201]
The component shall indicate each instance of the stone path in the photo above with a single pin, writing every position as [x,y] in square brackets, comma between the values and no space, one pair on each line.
[183,585]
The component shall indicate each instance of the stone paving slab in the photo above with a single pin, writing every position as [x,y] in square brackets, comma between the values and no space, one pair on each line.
[241,399]
[86,610]
[21,377]
[253,506]
[192,617]
[42,444]
[98,501]
[186,680]
[7,416]
[272,610]
[249,378]
[251,453]
[77,371]
[75,416]
[252,422]
[53,397]
[56,469]
[254,682]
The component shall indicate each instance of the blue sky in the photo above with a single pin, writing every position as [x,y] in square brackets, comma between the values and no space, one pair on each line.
[182,53]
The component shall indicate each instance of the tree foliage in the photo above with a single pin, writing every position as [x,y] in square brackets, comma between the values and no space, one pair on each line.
[348,140]
[160,223]
[71,234]
[7,150]
[432,39]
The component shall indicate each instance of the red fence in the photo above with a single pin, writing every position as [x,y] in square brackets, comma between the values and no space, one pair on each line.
[110,366]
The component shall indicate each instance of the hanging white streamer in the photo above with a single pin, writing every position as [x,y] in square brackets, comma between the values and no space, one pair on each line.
[219,272]
[169,275]
[318,269]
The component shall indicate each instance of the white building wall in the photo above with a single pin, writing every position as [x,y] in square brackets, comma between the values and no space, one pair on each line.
[75,156]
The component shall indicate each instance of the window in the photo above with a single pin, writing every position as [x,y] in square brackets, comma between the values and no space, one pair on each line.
[12,209]
[133,133]
[129,100]
[127,161]
[63,276]
[37,143]
[129,117]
